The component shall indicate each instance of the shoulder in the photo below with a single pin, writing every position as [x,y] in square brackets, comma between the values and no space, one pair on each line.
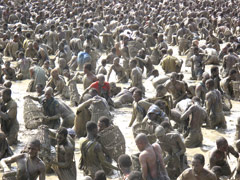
[209,175]
[187,172]
[12,104]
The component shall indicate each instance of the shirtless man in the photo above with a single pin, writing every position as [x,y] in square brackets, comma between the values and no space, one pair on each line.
[9,73]
[5,150]
[119,70]
[124,97]
[174,150]
[226,84]
[197,172]
[197,115]
[140,107]
[216,78]
[29,165]
[198,65]
[8,117]
[58,84]
[64,164]
[229,61]
[175,88]
[12,47]
[23,67]
[201,89]
[136,75]
[218,156]
[214,106]
[150,159]
[88,77]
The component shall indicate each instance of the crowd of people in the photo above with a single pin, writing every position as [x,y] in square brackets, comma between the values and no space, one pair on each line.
[58,46]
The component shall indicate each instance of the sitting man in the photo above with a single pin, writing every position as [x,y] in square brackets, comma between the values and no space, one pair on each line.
[218,156]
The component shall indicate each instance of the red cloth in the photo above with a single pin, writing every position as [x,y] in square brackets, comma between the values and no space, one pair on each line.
[106,87]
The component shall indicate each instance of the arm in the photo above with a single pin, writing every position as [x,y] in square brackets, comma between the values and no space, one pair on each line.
[10,114]
[84,92]
[183,91]
[213,159]
[67,159]
[33,98]
[134,115]
[101,157]
[10,160]
[208,104]
[198,91]
[186,114]
[181,145]
[109,73]
[233,152]
[162,165]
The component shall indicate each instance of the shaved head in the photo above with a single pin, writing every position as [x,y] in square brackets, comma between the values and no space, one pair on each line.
[141,138]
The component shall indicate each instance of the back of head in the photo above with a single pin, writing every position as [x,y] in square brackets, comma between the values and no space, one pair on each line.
[135,175]
[63,131]
[100,175]
[35,142]
[124,161]
[142,138]
[220,141]
[105,120]
[90,126]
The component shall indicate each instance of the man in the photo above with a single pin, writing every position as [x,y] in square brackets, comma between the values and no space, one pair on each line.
[216,78]
[89,77]
[8,117]
[218,156]
[226,83]
[12,47]
[198,65]
[29,165]
[201,89]
[136,75]
[140,107]
[58,84]
[150,159]
[92,157]
[214,106]
[64,164]
[125,164]
[229,61]
[197,172]
[170,63]
[197,115]
[102,87]
[119,70]
[176,88]
[5,150]
[8,71]
[174,148]
[23,67]
[51,109]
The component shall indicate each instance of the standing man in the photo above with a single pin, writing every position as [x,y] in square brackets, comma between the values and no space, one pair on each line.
[197,115]
[214,106]
[197,172]
[8,117]
[150,158]
[198,65]
[29,164]
[92,157]
[64,164]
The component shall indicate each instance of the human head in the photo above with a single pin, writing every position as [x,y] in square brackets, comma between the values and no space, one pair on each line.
[137,95]
[6,95]
[116,61]
[217,170]
[233,74]
[101,79]
[103,122]
[198,163]
[196,99]
[104,62]
[54,73]
[167,126]
[155,73]
[100,175]
[92,128]
[161,90]
[135,175]
[39,88]
[159,132]
[133,63]
[173,77]
[170,52]
[7,64]
[7,84]
[205,77]
[49,92]
[33,147]
[93,92]
[87,67]
[222,144]
[214,71]
[87,178]
[196,50]
[62,135]
[209,84]
[141,141]
[124,161]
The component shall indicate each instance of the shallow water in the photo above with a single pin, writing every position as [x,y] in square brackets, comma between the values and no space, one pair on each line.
[122,117]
